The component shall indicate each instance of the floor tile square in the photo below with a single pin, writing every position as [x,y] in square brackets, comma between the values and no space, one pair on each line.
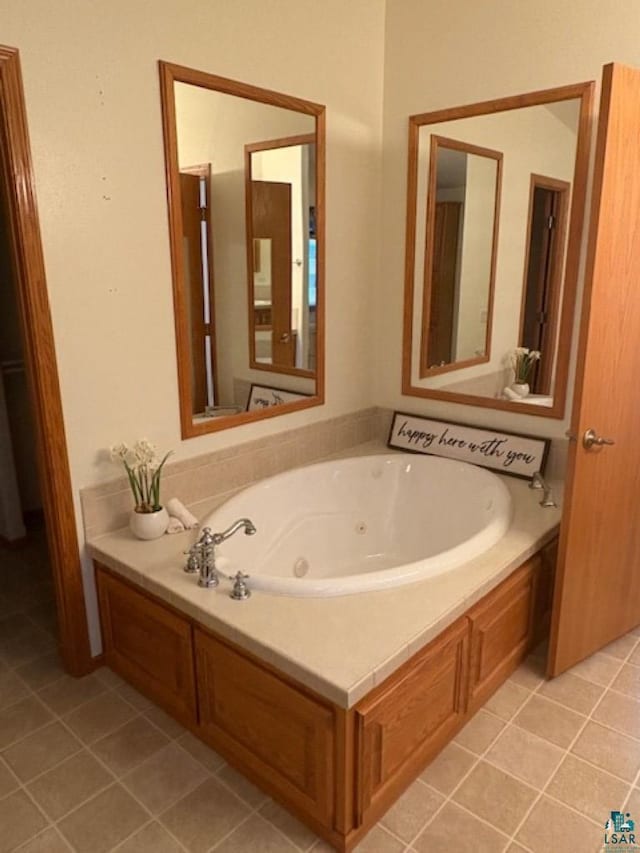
[151,839]
[530,673]
[67,692]
[526,756]
[628,680]
[507,700]
[49,841]
[242,787]
[8,781]
[553,827]
[69,784]
[573,692]
[257,835]
[448,768]
[129,745]
[297,832]
[619,712]
[204,816]
[479,732]
[471,834]
[102,822]
[411,811]
[12,688]
[550,721]
[610,750]
[496,797]
[587,789]
[100,716]
[40,751]
[22,718]
[20,820]
[598,668]
[42,671]
[200,751]
[164,778]
[621,647]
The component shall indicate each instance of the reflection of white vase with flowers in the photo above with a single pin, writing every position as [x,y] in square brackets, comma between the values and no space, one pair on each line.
[522,362]
[149,519]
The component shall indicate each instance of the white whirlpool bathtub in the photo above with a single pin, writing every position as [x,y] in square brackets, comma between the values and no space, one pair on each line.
[364,523]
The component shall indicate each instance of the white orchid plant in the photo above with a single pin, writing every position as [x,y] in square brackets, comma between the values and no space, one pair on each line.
[144,469]
[522,361]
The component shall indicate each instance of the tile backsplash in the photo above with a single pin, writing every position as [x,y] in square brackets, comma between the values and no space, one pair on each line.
[215,475]
[203,482]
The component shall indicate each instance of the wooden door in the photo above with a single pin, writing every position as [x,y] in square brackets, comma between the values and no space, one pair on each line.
[443,295]
[271,220]
[198,281]
[597,593]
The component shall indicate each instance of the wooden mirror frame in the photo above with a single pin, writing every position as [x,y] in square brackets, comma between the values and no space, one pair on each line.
[169,75]
[438,142]
[583,92]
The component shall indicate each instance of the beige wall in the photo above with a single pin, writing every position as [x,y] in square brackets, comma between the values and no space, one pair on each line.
[92,94]
[449,52]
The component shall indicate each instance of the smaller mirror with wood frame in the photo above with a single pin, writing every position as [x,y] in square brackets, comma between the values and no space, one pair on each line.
[281,247]
[463,209]
[245,180]
[462,329]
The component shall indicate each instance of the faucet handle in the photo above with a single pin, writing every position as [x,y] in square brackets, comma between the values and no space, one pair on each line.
[208,538]
[240,591]
[194,558]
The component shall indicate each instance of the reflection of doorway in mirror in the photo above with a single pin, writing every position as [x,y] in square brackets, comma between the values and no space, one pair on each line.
[198,276]
[543,274]
[281,200]
[461,234]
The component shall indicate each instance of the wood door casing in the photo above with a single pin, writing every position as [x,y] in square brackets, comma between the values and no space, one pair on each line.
[597,594]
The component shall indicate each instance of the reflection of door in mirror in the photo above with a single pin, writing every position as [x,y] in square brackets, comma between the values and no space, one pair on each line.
[280,192]
[461,237]
[544,261]
[198,277]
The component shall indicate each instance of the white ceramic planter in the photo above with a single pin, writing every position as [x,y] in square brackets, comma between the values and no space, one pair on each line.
[520,388]
[149,525]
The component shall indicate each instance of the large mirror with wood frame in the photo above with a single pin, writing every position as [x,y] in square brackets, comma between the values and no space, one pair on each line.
[245,185]
[495,207]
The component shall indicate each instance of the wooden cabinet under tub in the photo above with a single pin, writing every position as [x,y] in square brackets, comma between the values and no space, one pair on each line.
[336,769]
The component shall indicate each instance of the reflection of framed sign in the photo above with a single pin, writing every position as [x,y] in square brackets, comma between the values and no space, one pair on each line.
[504,452]
[264,396]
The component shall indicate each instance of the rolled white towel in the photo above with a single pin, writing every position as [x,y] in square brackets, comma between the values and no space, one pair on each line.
[509,394]
[178,510]
[175,525]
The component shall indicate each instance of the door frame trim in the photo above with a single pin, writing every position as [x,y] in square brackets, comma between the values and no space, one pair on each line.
[41,368]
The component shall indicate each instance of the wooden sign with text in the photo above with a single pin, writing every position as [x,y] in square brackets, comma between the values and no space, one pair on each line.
[504,452]
[264,396]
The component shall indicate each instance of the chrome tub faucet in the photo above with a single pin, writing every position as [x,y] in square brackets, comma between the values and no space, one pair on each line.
[538,482]
[201,558]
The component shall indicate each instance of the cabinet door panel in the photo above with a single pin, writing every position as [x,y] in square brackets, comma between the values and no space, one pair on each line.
[148,645]
[502,631]
[408,720]
[278,734]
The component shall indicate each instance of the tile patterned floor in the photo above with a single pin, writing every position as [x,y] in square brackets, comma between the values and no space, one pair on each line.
[91,766]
